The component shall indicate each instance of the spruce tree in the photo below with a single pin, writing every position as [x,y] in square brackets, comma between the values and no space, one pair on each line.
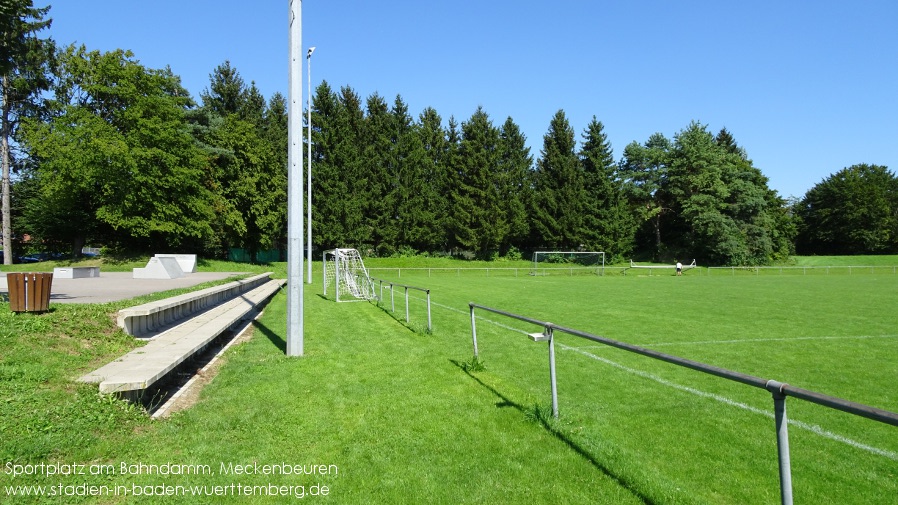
[410,210]
[559,189]
[607,223]
[26,65]
[479,224]
[435,176]
[512,184]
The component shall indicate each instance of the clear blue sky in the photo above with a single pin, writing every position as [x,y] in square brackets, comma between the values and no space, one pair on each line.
[806,87]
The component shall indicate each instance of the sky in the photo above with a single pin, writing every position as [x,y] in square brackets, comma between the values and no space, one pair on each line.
[807,88]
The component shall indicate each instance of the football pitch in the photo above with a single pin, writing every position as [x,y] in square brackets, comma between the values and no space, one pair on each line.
[832,333]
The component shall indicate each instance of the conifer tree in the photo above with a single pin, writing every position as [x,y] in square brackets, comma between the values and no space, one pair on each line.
[478,225]
[380,170]
[512,184]
[608,224]
[435,175]
[559,189]
[26,63]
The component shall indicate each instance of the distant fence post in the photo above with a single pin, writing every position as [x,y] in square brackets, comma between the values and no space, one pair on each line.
[429,327]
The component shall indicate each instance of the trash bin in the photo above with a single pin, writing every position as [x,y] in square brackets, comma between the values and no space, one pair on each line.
[29,291]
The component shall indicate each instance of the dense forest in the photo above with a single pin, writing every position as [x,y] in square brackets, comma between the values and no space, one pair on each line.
[99,150]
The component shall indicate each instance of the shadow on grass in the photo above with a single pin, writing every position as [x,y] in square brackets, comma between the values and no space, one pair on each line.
[414,327]
[544,417]
[275,339]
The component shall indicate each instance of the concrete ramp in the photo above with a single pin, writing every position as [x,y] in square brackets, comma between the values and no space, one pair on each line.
[160,268]
[187,262]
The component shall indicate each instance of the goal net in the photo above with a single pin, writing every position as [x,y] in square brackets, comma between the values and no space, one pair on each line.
[587,262]
[345,271]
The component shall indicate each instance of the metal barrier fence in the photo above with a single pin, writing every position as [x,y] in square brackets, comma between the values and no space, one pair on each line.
[613,270]
[499,271]
[805,270]
[778,389]
[393,302]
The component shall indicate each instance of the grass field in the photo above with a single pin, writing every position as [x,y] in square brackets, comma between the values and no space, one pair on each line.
[397,414]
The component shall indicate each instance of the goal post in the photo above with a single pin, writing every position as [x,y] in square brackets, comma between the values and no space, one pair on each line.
[345,271]
[583,261]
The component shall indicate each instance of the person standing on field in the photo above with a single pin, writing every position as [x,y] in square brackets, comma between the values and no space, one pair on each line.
[679,268]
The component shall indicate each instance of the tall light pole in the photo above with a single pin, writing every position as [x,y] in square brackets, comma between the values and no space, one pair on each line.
[294,186]
[309,186]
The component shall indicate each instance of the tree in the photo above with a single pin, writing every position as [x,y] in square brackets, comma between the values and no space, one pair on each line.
[117,149]
[512,184]
[378,195]
[411,211]
[275,133]
[226,93]
[478,224]
[559,192]
[698,194]
[608,224]
[435,176]
[854,211]
[248,175]
[25,68]
[644,173]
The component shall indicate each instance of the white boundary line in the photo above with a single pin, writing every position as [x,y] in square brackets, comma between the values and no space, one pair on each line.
[746,341]
[813,428]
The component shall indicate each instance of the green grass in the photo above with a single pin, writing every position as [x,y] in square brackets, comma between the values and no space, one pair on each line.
[409,416]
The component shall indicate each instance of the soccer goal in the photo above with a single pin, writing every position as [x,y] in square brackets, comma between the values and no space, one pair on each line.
[345,270]
[592,262]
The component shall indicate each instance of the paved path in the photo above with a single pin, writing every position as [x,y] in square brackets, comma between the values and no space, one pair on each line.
[114,286]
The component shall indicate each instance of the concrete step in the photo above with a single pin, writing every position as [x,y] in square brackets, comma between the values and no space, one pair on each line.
[143,366]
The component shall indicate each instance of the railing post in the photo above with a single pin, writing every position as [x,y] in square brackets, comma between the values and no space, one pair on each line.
[551,336]
[782,440]
[473,330]
[392,300]
[428,311]
[406,304]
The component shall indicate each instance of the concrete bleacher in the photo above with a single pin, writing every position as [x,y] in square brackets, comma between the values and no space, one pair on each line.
[204,316]
[149,318]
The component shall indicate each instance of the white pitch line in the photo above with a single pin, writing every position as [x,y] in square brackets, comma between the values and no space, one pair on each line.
[781,339]
[813,428]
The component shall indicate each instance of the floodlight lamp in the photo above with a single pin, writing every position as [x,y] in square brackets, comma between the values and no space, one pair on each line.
[311,50]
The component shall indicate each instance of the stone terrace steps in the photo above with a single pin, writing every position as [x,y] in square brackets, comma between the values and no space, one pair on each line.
[149,318]
[143,366]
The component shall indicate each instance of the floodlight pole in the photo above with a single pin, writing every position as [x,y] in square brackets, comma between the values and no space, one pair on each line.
[294,187]
[309,185]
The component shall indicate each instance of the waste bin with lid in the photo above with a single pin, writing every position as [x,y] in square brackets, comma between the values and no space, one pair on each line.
[29,291]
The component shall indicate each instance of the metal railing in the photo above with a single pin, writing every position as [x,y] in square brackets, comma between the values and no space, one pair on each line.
[505,271]
[778,389]
[393,301]
[803,270]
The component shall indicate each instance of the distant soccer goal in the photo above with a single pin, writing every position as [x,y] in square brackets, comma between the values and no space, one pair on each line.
[545,262]
[345,271]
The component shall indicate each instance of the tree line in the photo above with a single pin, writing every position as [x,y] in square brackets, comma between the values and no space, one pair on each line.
[100,150]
